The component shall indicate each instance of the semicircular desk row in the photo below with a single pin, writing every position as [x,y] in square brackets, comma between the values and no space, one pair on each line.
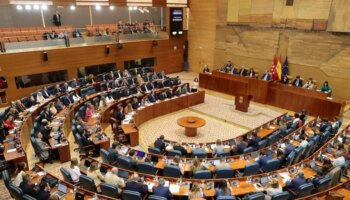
[240,185]
[187,190]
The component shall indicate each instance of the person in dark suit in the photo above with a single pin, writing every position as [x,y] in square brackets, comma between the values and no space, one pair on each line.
[57,19]
[180,148]
[162,96]
[150,86]
[45,129]
[251,73]
[169,94]
[135,104]
[297,82]
[206,69]
[253,139]
[45,93]
[263,158]
[266,76]
[289,148]
[44,191]
[66,100]
[239,147]
[285,80]
[28,188]
[120,114]
[47,114]
[160,144]
[296,182]
[162,191]
[113,153]
[243,71]
[134,184]
[152,98]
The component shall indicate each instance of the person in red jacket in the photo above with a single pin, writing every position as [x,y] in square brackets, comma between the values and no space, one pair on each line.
[9,123]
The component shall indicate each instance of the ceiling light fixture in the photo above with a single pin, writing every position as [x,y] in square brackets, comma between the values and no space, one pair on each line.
[72,7]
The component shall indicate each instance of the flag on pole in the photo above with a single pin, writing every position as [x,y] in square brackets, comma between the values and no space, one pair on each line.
[273,69]
[279,68]
[285,70]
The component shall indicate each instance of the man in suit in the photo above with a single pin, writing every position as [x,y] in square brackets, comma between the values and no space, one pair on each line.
[264,157]
[113,153]
[152,98]
[120,114]
[296,182]
[180,148]
[254,139]
[239,147]
[160,144]
[297,82]
[44,191]
[162,191]
[45,129]
[57,19]
[198,150]
[43,147]
[289,147]
[28,188]
[113,179]
[66,100]
[150,86]
[134,184]
[243,71]
[233,70]
[266,76]
[45,93]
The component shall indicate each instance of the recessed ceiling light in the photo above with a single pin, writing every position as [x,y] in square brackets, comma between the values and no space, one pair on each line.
[135,8]
[111,7]
[19,7]
[72,7]
[98,7]
[36,7]
[44,7]
[28,7]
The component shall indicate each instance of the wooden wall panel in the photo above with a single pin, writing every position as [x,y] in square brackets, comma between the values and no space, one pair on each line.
[70,59]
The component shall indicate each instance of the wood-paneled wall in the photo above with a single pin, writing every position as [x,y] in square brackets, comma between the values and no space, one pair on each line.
[169,59]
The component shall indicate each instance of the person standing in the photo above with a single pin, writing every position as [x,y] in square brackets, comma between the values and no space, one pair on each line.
[57,19]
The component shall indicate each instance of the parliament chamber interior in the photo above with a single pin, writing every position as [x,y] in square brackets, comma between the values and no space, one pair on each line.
[174,99]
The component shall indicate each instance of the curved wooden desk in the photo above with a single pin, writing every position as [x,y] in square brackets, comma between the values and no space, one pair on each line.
[191,123]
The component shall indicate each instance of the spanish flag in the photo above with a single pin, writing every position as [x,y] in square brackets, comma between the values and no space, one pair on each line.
[279,68]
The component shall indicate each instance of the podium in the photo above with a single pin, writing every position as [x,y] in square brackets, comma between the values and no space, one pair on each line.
[242,102]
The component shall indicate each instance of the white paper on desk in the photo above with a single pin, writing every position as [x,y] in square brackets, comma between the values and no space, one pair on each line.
[166,183]
[11,150]
[18,121]
[258,188]
[174,188]
[226,146]
[125,121]
[95,115]
[285,176]
[271,127]
[41,173]
[11,131]
[55,123]
[150,185]
[58,144]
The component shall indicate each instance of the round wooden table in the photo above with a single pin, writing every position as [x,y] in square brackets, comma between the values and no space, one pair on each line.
[191,123]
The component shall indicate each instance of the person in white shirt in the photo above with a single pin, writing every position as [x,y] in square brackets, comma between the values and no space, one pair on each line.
[194,87]
[303,142]
[113,179]
[40,98]
[20,173]
[76,97]
[339,161]
[74,170]
[274,188]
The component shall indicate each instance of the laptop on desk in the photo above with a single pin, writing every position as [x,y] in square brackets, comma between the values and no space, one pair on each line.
[62,190]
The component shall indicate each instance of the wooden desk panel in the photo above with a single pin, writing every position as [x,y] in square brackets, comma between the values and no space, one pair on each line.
[273,93]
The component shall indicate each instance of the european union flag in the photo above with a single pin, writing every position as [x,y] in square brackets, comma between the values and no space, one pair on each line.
[285,69]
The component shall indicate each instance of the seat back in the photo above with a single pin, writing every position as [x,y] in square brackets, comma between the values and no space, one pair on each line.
[155,197]
[66,175]
[15,192]
[174,153]
[323,183]
[251,169]
[335,175]
[281,196]
[172,171]
[271,165]
[256,196]
[262,144]
[124,162]
[248,150]
[298,152]
[87,183]
[131,195]
[27,197]
[225,173]
[305,190]
[199,155]
[109,190]
[154,150]
[223,154]
[146,167]
[226,198]
[104,155]
[202,174]
[290,158]
[6,177]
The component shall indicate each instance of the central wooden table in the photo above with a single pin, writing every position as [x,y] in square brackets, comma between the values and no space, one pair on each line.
[191,124]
